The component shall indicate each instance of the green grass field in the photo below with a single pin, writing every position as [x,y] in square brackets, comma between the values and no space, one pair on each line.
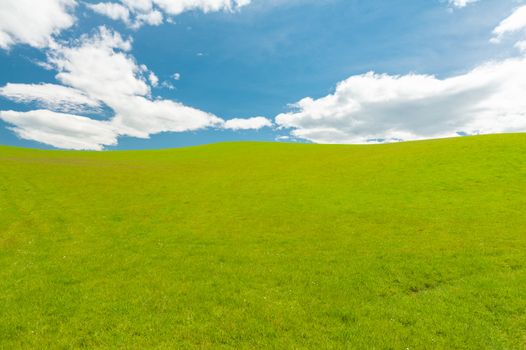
[257,245]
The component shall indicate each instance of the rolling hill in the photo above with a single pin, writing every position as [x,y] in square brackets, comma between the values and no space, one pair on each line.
[266,245]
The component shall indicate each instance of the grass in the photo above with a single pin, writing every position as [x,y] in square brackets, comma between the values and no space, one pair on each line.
[254,245]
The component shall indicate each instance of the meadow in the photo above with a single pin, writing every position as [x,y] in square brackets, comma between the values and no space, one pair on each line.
[417,245]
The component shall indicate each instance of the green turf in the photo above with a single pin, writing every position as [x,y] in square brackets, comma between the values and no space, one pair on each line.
[258,245]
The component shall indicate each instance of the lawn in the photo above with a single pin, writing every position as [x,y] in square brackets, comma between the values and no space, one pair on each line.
[413,245]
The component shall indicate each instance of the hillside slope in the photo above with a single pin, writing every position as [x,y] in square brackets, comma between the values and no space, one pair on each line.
[255,245]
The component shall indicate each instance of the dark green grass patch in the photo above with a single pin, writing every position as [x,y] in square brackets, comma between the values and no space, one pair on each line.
[254,245]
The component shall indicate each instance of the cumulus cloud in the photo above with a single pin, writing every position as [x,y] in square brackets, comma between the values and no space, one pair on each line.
[380,107]
[152,12]
[102,68]
[98,70]
[254,123]
[50,96]
[34,22]
[61,130]
[461,3]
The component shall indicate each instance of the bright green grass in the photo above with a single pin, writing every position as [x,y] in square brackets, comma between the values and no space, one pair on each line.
[253,245]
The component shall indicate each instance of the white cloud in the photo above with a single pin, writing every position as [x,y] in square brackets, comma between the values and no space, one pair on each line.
[99,68]
[176,76]
[102,71]
[283,138]
[151,11]
[153,18]
[461,3]
[255,123]
[367,107]
[33,22]
[50,96]
[514,23]
[154,80]
[111,10]
[176,7]
[140,117]
[61,130]
[139,5]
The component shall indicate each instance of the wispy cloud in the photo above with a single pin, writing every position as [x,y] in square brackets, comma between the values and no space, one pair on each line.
[61,130]
[51,96]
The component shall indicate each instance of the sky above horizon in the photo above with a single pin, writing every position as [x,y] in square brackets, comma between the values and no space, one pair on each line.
[147,74]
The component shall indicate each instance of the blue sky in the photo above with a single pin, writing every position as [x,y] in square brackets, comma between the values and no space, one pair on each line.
[246,60]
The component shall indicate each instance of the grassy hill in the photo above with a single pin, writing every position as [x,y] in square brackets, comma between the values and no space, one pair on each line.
[254,245]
